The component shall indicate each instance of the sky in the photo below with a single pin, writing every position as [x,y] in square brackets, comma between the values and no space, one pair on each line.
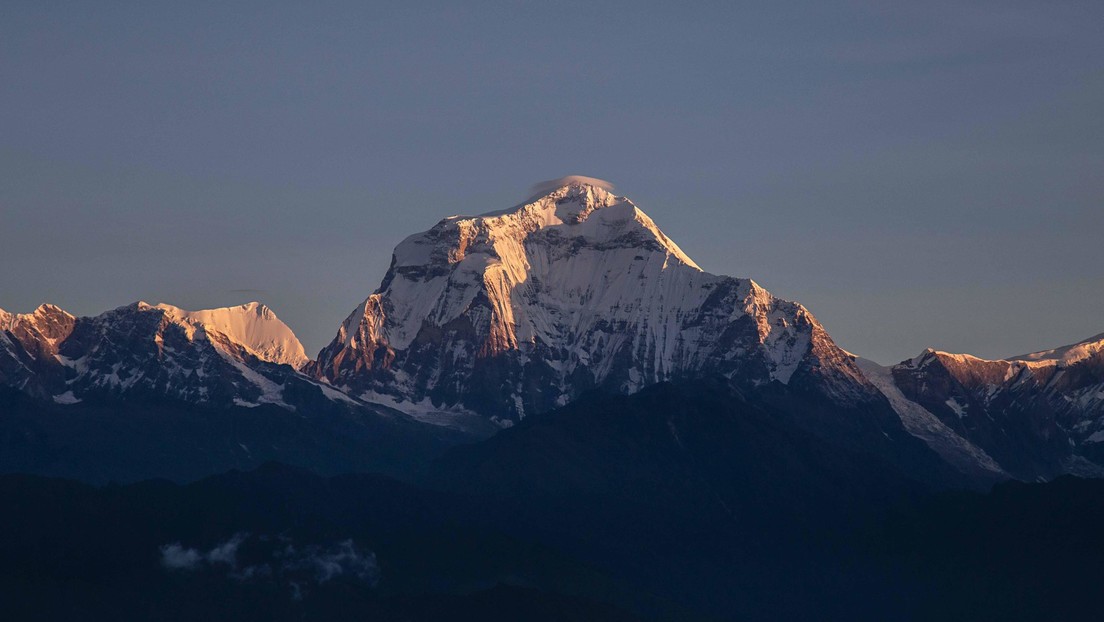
[916,174]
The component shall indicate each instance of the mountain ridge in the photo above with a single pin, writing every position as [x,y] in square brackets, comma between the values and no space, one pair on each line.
[518,311]
[1038,415]
[481,321]
[239,355]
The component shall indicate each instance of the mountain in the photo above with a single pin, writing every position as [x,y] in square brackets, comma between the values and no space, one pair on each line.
[241,355]
[156,391]
[254,326]
[921,423]
[584,424]
[484,321]
[519,311]
[1036,416]
[29,344]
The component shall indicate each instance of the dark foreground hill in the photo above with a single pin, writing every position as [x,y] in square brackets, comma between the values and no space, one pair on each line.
[273,544]
[131,440]
[678,503]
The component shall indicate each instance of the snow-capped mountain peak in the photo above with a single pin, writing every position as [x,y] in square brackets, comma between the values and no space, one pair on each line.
[253,326]
[576,210]
[37,332]
[42,316]
[520,310]
[241,355]
[1037,414]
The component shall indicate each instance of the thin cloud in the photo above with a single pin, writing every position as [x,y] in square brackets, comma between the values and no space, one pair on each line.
[543,187]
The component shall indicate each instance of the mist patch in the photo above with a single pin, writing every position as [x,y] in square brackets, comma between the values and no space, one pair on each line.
[279,559]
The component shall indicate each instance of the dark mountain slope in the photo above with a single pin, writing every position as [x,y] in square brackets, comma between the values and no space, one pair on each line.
[690,491]
[126,440]
[274,544]
[283,544]
[1021,552]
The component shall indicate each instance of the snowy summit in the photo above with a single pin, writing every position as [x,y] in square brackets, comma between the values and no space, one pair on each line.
[520,310]
[253,326]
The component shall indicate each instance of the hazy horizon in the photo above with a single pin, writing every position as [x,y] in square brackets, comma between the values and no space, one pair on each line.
[917,176]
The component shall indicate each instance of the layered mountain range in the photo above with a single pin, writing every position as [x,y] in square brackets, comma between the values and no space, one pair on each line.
[484,321]
[241,356]
[156,391]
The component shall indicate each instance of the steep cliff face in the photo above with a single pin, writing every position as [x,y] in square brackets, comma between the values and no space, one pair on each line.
[29,343]
[1038,415]
[519,311]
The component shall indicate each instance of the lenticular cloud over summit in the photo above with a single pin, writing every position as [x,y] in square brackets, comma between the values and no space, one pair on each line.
[544,187]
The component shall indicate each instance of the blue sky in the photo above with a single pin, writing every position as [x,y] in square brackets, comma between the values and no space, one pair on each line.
[917,174]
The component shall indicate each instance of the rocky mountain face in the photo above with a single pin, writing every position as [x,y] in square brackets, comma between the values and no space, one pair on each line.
[29,344]
[221,357]
[520,312]
[1037,415]
[253,326]
[483,321]
[155,391]
[517,312]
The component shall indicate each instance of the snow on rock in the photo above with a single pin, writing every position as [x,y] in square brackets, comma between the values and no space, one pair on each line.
[28,341]
[1066,355]
[236,355]
[921,423]
[253,326]
[1033,413]
[517,311]
[40,330]
[958,409]
[66,398]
